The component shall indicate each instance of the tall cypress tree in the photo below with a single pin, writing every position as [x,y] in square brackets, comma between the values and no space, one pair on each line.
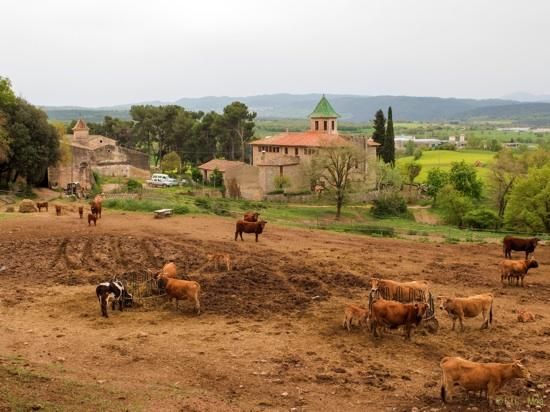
[388,148]
[379,131]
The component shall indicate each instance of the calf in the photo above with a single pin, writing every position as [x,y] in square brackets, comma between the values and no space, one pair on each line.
[41,205]
[510,243]
[469,307]
[251,216]
[181,289]
[391,314]
[92,218]
[516,269]
[80,211]
[58,210]
[95,208]
[477,376]
[112,291]
[525,316]
[249,227]
[356,313]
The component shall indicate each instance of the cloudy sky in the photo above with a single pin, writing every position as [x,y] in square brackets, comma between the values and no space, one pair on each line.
[107,52]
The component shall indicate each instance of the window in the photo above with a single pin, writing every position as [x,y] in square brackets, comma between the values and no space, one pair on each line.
[325,124]
[308,151]
[286,150]
[316,124]
[296,151]
[332,125]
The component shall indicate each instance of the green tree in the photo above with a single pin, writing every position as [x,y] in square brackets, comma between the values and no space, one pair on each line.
[216,178]
[529,202]
[337,164]
[379,134]
[239,123]
[504,171]
[412,170]
[417,154]
[464,179]
[171,162]
[409,148]
[454,205]
[387,177]
[388,147]
[436,180]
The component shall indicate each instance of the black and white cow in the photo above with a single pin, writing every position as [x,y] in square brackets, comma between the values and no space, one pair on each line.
[112,291]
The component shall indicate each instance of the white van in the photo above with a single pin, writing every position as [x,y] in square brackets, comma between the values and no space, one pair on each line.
[162,180]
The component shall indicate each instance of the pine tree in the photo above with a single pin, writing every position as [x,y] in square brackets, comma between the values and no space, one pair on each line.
[379,131]
[387,151]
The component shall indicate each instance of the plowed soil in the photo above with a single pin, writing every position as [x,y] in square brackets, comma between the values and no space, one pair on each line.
[270,335]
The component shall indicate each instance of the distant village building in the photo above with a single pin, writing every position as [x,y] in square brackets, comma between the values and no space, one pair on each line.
[402,140]
[97,153]
[460,143]
[289,154]
[217,164]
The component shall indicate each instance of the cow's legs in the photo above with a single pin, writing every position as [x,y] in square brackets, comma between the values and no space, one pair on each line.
[454,321]
[485,323]
[256,237]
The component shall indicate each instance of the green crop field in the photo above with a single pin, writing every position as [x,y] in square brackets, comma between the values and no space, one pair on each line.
[444,158]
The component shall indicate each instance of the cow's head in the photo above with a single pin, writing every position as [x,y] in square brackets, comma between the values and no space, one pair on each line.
[532,264]
[520,371]
[420,310]
[262,223]
[443,302]
[374,282]
[535,241]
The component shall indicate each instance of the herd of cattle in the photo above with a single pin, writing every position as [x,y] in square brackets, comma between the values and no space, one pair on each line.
[392,304]
[95,209]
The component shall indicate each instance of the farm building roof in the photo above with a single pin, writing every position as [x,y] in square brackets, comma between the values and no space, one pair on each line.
[323,109]
[305,139]
[220,164]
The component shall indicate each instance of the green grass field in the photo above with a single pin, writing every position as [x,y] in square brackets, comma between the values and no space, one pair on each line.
[444,158]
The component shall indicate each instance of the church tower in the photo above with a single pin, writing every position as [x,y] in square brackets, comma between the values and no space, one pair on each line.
[324,118]
[81,132]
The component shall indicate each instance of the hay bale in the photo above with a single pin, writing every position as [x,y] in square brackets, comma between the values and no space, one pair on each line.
[27,206]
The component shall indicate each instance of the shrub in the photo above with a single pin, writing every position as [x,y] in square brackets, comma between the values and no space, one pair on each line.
[133,186]
[216,178]
[446,146]
[389,204]
[417,154]
[196,175]
[203,203]
[276,192]
[482,219]
[180,210]
[454,205]
[171,163]
[281,182]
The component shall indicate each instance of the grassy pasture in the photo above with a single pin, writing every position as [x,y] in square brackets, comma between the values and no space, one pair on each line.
[444,158]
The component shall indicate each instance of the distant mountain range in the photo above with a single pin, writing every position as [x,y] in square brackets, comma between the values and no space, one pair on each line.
[352,108]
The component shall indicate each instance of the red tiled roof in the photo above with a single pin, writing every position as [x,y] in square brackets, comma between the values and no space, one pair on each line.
[220,164]
[305,139]
[301,139]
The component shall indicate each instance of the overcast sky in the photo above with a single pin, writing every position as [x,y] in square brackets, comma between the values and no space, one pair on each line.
[107,52]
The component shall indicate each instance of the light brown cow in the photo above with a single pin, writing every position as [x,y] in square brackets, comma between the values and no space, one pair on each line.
[392,314]
[477,376]
[416,290]
[525,316]
[169,270]
[356,313]
[181,289]
[96,205]
[469,307]
[516,269]
[58,210]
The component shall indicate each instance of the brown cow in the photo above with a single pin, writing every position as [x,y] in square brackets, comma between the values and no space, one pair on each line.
[416,290]
[251,216]
[169,270]
[392,314]
[525,316]
[356,313]
[92,218]
[96,206]
[249,227]
[516,269]
[477,376]
[181,289]
[510,243]
[469,307]
[80,211]
[58,210]
[41,205]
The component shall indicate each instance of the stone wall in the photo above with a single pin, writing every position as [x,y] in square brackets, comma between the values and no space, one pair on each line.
[247,178]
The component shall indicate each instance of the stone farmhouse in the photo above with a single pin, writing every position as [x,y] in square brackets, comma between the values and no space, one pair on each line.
[96,153]
[290,153]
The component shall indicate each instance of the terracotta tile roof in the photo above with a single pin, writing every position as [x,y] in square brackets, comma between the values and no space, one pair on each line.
[301,139]
[80,125]
[220,164]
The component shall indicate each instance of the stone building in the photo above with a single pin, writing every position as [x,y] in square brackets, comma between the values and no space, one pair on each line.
[217,164]
[96,153]
[289,154]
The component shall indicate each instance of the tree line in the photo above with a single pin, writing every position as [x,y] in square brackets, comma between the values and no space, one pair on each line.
[28,143]
[195,137]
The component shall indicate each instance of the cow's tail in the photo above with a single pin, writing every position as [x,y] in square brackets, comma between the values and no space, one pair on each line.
[491,313]
[443,387]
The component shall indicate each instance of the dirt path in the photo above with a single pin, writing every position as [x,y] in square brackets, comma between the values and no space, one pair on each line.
[270,337]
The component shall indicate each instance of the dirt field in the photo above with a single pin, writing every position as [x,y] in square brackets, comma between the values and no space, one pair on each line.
[270,335]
